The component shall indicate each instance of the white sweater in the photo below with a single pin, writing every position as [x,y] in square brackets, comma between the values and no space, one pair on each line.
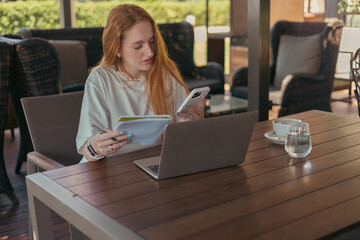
[109,94]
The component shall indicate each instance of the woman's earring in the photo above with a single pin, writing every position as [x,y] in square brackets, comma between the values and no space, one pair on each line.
[119,56]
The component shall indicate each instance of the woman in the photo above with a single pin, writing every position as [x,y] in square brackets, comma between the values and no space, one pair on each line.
[134,77]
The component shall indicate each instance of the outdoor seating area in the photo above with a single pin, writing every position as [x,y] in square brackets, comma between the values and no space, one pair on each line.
[271,151]
[179,39]
[302,67]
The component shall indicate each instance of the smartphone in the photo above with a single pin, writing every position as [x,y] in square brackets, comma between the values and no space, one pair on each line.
[194,97]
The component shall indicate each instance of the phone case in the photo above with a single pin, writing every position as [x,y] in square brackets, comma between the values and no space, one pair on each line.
[194,97]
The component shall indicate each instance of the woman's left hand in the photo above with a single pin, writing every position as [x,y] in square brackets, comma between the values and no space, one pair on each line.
[193,113]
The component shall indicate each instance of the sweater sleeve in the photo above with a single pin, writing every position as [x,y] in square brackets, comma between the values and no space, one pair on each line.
[94,110]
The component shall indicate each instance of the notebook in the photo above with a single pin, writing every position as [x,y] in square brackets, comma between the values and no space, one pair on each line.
[201,145]
[145,129]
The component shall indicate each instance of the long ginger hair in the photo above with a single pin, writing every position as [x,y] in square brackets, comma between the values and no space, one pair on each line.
[122,18]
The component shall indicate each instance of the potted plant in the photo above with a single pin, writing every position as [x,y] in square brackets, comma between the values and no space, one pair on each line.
[350,7]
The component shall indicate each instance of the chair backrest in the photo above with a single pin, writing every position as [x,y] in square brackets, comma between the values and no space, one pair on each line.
[179,39]
[53,123]
[37,73]
[92,36]
[40,65]
[355,71]
[330,46]
[6,55]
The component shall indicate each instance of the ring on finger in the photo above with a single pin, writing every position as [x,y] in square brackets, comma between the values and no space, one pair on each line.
[111,148]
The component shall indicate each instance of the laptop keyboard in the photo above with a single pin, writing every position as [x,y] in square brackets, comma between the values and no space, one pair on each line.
[154,168]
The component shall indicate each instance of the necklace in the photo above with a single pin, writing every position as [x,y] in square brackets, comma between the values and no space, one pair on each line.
[124,74]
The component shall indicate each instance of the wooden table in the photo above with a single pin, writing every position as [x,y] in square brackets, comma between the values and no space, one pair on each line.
[269,196]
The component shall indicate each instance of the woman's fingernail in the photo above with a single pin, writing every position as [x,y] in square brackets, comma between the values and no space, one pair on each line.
[122,132]
[129,135]
[129,140]
[177,113]
[203,97]
[184,107]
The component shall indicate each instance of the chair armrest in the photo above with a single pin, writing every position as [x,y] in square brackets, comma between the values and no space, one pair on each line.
[73,87]
[41,161]
[211,70]
[306,92]
[240,77]
[311,77]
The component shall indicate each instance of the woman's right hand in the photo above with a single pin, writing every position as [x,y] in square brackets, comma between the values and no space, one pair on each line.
[109,142]
[193,113]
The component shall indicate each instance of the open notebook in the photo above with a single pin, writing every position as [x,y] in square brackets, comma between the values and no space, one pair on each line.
[145,129]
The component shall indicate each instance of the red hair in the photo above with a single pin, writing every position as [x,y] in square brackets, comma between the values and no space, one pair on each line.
[122,18]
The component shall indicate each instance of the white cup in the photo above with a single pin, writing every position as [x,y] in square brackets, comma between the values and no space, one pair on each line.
[281,125]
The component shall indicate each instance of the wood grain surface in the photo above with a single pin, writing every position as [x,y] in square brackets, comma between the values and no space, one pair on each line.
[269,196]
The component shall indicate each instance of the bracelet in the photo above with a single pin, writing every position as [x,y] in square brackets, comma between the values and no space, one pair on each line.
[91,152]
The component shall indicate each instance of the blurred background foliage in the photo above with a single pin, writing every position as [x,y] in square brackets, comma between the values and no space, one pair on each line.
[44,14]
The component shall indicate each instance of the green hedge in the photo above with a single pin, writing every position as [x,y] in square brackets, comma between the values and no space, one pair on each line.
[45,14]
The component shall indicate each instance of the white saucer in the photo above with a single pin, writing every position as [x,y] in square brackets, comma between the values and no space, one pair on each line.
[274,138]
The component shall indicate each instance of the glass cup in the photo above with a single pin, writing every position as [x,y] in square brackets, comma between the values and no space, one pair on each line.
[298,141]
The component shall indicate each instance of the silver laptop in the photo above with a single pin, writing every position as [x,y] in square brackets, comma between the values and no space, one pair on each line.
[201,145]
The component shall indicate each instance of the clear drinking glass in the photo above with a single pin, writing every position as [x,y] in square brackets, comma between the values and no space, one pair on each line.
[298,141]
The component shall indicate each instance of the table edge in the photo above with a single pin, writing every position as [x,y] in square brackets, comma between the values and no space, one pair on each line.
[75,210]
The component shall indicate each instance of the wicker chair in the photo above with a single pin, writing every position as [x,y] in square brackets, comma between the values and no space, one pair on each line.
[37,73]
[304,91]
[355,71]
[6,57]
[179,38]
